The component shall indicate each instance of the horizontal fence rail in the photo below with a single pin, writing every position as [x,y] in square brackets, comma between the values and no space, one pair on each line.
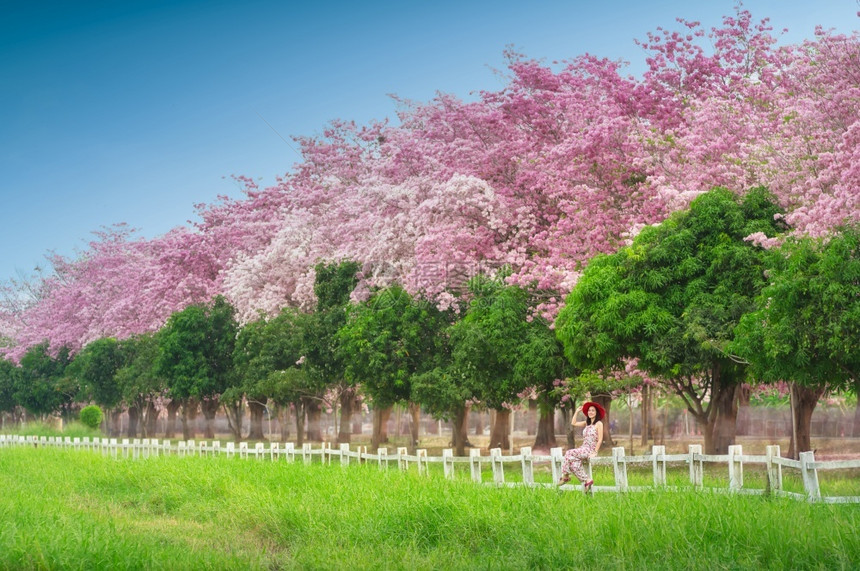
[525,461]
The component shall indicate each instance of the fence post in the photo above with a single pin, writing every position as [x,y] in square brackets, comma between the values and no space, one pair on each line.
[696,471]
[774,470]
[344,457]
[810,476]
[555,463]
[422,462]
[402,462]
[290,451]
[306,452]
[231,449]
[383,458]
[498,466]
[736,468]
[659,465]
[475,464]
[528,465]
[448,463]
[216,448]
[275,451]
[619,466]
[362,454]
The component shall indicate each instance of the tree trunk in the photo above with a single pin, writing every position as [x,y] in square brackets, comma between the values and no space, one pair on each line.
[463,426]
[458,434]
[347,402]
[630,420]
[414,419]
[357,419]
[300,423]
[284,421]
[805,400]
[312,406]
[380,426]
[532,421]
[545,437]
[193,411]
[479,423]
[664,422]
[172,408]
[856,428]
[185,412]
[234,412]
[744,395]
[721,424]
[500,433]
[605,400]
[114,423]
[150,422]
[646,414]
[209,407]
[256,409]
[133,418]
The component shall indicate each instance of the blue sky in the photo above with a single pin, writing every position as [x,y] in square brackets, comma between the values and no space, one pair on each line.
[128,111]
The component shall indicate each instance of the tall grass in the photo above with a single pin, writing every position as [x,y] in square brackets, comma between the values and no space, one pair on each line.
[78,510]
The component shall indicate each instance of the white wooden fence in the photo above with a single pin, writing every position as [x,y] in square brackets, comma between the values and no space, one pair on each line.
[525,461]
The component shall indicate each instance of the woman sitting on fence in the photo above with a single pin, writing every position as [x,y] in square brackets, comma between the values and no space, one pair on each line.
[592,437]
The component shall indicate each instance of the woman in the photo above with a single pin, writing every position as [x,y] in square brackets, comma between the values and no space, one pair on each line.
[592,437]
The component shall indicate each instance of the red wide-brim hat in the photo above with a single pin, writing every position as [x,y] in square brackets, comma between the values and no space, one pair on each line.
[601,414]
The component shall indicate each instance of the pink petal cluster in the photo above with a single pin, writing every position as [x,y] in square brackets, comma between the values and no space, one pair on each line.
[564,162]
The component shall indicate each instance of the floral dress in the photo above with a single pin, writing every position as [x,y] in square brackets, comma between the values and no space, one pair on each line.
[572,462]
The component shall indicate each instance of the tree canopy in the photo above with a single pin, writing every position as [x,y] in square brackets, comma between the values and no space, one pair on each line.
[672,299]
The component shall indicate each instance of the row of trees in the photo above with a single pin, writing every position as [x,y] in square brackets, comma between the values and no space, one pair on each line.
[696,305]
[564,161]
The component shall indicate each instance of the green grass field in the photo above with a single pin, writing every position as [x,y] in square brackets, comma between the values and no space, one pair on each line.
[79,510]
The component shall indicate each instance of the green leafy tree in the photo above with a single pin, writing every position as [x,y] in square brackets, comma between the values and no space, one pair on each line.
[387,341]
[499,349]
[264,349]
[807,326]
[324,368]
[196,356]
[672,300]
[140,385]
[42,386]
[8,372]
[96,366]
[541,364]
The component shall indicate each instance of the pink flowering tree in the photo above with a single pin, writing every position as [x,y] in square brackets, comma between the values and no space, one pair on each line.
[566,161]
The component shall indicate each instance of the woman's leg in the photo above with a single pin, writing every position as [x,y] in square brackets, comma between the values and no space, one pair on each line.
[572,463]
